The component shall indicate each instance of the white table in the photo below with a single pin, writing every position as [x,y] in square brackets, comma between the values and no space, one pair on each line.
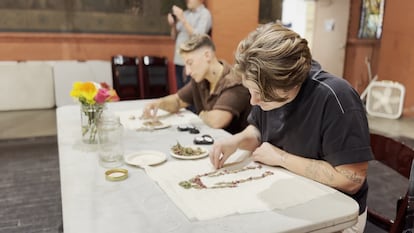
[92,204]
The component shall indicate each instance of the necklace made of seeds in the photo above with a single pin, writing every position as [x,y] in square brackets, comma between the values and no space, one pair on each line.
[196,182]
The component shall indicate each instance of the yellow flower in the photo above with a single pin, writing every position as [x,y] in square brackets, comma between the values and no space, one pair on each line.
[84,91]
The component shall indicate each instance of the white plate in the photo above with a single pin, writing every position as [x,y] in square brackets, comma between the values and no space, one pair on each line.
[145,158]
[202,155]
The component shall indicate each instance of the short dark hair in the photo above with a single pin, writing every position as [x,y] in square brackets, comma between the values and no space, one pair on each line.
[195,42]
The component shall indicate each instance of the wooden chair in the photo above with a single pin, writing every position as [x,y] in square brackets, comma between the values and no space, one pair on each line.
[398,157]
[155,76]
[126,77]
[404,221]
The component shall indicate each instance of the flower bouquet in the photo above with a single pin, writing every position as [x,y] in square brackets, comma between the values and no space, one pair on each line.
[92,97]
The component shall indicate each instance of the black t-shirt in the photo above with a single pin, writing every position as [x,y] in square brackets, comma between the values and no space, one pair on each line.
[325,121]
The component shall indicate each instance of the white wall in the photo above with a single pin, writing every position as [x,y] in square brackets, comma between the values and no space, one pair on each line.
[324,23]
[300,15]
[294,13]
[329,44]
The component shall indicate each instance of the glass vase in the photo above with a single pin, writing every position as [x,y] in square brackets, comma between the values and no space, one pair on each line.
[110,148]
[90,115]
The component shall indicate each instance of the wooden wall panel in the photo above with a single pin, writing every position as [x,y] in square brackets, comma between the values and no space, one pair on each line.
[397,50]
[232,21]
[358,50]
[356,72]
[52,46]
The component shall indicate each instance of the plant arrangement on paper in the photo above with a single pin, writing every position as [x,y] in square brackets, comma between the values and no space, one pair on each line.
[197,183]
[92,97]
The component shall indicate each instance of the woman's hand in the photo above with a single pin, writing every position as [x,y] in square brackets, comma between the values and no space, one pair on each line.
[269,155]
[248,139]
[150,110]
[178,12]
[221,151]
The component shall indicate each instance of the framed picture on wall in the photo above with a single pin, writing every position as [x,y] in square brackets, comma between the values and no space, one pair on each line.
[372,13]
[87,16]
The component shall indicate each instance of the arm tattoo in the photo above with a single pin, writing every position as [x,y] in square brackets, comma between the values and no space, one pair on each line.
[318,172]
[352,176]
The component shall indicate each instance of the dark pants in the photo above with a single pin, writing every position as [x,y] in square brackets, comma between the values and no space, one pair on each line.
[180,76]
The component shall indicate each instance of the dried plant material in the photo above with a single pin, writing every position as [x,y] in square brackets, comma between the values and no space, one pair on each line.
[196,182]
[186,151]
[152,123]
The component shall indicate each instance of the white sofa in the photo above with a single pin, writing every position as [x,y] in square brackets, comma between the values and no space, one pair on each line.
[46,84]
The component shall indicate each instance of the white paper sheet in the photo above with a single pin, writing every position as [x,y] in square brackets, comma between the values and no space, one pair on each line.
[131,119]
[279,191]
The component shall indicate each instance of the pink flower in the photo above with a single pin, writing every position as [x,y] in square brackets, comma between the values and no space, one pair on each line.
[102,95]
[113,96]
[105,86]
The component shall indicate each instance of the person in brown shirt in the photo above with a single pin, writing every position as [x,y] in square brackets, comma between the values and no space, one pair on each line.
[215,91]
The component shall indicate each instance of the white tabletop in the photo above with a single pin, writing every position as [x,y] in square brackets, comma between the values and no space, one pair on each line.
[92,204]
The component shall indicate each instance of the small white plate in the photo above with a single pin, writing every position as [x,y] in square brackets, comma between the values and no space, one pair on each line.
[203,154]
[145,158]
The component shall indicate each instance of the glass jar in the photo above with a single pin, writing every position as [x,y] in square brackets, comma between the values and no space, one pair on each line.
[110,148]
[90,115]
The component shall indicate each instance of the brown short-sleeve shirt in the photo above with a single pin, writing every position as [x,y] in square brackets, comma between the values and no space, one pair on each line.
[229,95]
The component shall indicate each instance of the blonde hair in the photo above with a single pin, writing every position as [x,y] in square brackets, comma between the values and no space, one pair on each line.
[195,42]
[273,57]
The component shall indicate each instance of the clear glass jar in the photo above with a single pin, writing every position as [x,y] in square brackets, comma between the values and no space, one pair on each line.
[90,115]
[110,148]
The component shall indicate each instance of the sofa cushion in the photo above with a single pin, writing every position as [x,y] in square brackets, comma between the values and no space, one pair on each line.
[26,86]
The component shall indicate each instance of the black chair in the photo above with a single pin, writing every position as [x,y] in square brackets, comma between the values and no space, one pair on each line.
[393,162]
[126,77]
[154,76]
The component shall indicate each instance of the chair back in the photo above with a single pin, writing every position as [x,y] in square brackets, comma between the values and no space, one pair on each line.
[155,76]
[398,157]
[126,77]
[392,153]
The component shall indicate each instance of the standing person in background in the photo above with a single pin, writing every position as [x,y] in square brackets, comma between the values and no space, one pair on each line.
[195,20]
